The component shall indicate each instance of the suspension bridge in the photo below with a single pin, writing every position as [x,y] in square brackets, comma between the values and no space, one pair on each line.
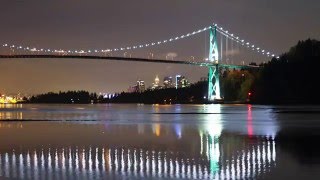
[217,53]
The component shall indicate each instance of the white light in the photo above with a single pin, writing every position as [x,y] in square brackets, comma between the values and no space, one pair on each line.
[247,43]
[176,38]
[252,46]
[170,39]
[262,51]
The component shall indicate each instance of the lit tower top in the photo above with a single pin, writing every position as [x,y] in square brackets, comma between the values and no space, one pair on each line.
[156,80]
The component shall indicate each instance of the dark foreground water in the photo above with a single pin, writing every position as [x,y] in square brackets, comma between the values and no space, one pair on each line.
[159,142]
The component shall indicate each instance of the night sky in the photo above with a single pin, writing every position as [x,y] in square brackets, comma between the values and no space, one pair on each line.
[101,24]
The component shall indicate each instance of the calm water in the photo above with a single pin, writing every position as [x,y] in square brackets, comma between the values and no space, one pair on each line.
[159,142]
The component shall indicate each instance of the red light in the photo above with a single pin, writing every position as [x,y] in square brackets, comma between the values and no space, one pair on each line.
[249,93]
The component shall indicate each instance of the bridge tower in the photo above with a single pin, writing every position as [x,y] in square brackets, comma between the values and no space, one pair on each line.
[213,75]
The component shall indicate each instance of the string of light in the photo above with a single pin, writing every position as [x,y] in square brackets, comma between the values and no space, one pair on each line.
[221,30]
[137,46]
[242,42]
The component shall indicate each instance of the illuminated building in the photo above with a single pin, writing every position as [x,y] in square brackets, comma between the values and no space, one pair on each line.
[156,80]
[181,81]
[167,82]
[132,89]
[8,99]
[156,85]
[140,87]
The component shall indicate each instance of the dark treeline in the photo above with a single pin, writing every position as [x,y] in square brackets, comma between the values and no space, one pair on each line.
[236,84]
[293,78]
[194,94]
[77,97]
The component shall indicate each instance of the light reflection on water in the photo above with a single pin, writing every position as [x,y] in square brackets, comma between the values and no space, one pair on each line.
[139,142]
[213,159]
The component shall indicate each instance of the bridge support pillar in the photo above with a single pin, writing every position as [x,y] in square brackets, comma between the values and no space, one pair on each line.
[213,74]
[214,84]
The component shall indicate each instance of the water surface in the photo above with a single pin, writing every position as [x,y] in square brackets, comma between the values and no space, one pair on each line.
[159,141]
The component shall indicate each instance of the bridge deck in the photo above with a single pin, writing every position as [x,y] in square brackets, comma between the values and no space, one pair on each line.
[121,59]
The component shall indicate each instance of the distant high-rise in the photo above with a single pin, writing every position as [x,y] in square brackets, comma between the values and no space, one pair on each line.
[168,82]
[156,84]
[140,86]
[132,89]
[156,80]
[181,81]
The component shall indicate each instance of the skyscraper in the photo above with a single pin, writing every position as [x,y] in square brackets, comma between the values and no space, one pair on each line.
[167,82]
[156,85]
[181,81]
[140,86]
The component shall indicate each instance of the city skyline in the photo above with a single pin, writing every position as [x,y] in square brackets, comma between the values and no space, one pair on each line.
[62,24]
[168,81]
